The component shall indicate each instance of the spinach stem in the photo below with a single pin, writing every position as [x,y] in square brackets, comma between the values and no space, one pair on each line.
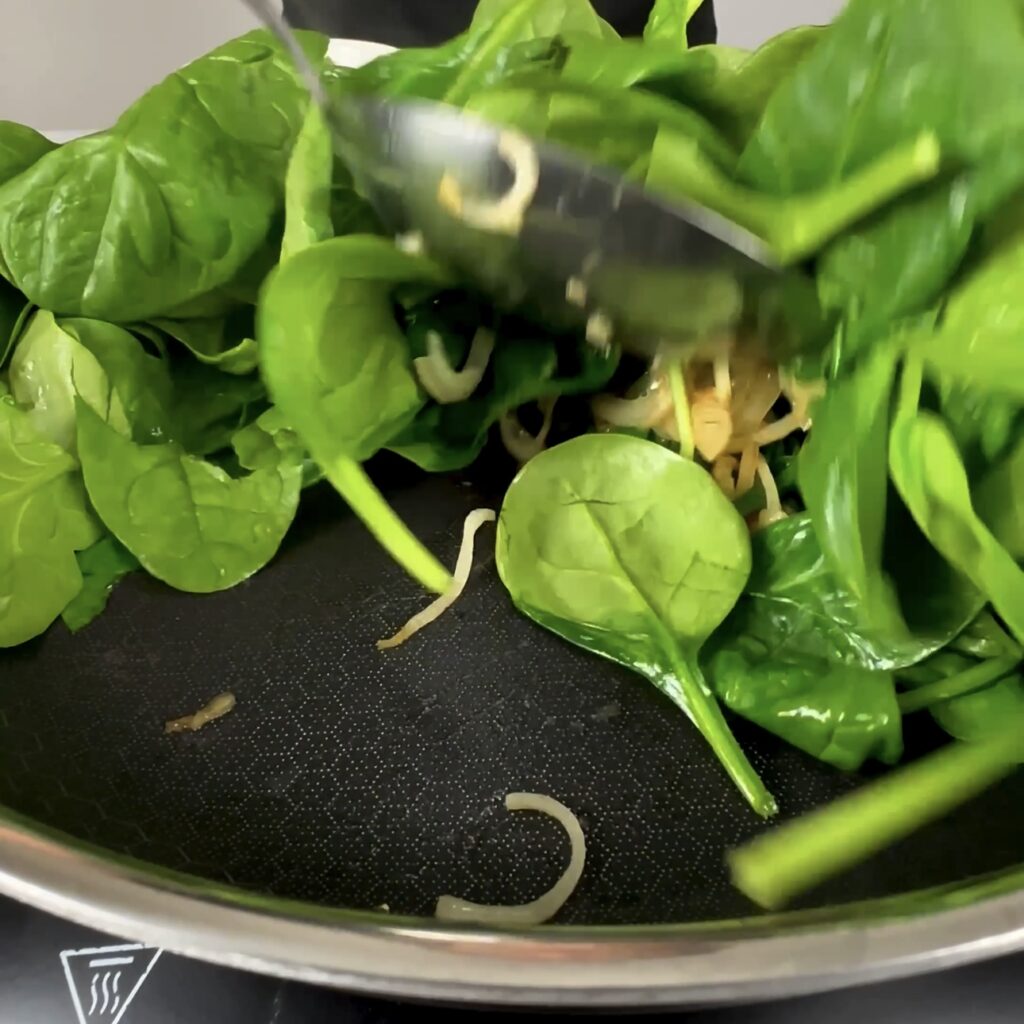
[780,865]
[977,677]
[690,691]
[351,481]
[681,408]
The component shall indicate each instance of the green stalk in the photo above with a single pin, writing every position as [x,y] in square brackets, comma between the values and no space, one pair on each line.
[681,407]
[351,481]
[977,677]
[689,691]
[776,867]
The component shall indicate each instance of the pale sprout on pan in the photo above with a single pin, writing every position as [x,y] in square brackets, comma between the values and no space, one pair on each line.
[455,910]
[460,576]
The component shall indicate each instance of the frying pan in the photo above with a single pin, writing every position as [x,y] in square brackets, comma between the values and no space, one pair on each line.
[347,780]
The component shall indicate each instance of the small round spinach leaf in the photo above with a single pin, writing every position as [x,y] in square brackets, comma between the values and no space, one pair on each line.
[628,550]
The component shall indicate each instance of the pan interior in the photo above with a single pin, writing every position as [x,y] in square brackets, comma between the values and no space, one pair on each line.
[352,778]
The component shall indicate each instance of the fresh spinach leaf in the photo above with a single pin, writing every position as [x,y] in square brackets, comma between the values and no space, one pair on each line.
[20,148]
[668,20]
[977,717]
[49,368]
[102,566]
[628,550]
[226,342]
[185,520]
[929,473]
[210,407]
[999,500]
[44,520]
[308,186]
[338,367]
[172,203]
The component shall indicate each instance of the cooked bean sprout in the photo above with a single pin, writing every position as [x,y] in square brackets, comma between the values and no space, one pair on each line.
[463,565]
[437,376]
[451,908]
[217,708]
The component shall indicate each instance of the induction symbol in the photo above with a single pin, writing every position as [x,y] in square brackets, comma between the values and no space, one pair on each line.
[104,981]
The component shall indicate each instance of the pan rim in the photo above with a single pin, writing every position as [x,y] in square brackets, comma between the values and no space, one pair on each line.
[709,963]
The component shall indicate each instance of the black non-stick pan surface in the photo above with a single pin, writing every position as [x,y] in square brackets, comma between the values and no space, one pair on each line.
[355,778]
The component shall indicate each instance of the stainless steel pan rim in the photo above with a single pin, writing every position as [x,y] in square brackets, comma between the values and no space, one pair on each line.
[717,962]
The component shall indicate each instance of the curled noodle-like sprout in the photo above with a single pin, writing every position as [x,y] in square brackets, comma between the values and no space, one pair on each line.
[440,380]
[453,909]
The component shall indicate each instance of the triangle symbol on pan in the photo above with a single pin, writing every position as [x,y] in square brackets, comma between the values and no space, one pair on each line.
[104,981]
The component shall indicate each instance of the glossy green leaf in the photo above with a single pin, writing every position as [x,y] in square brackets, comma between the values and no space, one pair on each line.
[102,566]
[20,148]
[929,473]
[338,367]
[172,203]
[631,551]
[999,500]
[226,342]
[307,186]
[44,520]
[668,20]
[14,313]
[185,520]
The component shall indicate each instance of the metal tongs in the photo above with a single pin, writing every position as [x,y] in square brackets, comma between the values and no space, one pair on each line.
[543,230]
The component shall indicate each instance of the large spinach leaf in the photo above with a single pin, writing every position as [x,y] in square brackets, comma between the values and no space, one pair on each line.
[14,314]
[630,551]
[20,148]
[185,520]
[794,657]
[668,20]
[337,365]
[999,500]
[929,473]
[172,203]
[308,186]
[44,520]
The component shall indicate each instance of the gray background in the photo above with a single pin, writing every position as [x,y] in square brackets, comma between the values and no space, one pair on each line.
[75,64]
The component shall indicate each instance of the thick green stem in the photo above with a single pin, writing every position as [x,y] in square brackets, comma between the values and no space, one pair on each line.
[778,866]
[351,481]
[689,691]
[681,407]
[977,677]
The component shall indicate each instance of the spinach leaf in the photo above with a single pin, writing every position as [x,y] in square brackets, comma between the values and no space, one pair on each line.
[631,551]
[797,226]
[210,407]
[44,520]
[20,148]
[308,186]
[977,717]
[979,338]
[172,203]
[861,92]
[102,567]
[226,342]
[186,521]
[49,368]
[929,473]
[337,365]
[668,20]
[843,479]
[267,439]
[999,500]
[796,606]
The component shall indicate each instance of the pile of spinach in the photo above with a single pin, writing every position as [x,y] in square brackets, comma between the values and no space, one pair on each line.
[199,317]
